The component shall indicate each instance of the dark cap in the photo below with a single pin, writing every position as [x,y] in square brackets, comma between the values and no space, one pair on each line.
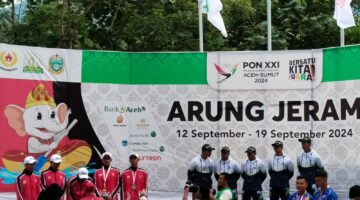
[308,140]
[277,144]
[354,192]
[250,150]
[207,147]
[225,150]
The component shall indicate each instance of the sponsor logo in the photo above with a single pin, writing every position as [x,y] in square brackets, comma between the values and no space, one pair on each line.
[150,158]
[56,64]
[142,124]
[124,109]
[153,134]
[119,121]
[225,70]
[32,64]
[8,59]
[302,69]
[125,143]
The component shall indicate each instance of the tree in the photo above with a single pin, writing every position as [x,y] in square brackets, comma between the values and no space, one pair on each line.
[172,25]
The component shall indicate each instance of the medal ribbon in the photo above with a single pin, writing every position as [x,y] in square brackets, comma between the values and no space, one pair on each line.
[300,197]
[105,175]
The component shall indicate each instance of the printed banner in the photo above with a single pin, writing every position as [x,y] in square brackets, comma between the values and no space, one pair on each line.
[161,106]
[264,70]
[37,63]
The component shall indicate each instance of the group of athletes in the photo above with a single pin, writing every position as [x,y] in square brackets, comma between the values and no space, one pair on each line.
[107,183]
[310,184]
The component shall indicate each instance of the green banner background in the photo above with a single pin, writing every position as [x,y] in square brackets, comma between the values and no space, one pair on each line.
[339,64]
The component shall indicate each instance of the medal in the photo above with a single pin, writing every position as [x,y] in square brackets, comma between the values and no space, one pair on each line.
[134,186]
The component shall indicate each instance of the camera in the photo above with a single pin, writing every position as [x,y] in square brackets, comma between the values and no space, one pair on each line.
[194,188]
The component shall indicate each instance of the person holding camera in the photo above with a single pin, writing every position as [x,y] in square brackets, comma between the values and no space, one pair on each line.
[253,171]
[200,170]
[229,166]
[224,193]
[107,179]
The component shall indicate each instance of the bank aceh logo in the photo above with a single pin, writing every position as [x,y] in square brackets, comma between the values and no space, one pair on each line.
[226,70]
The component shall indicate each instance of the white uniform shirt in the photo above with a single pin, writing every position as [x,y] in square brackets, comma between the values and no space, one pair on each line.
[229,166]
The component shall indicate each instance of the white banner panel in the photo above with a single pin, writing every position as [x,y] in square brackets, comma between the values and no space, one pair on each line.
[35,63]
[264,70]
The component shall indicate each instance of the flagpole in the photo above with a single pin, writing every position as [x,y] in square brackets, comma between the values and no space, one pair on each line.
[269,39]
[342,37]
[201,32]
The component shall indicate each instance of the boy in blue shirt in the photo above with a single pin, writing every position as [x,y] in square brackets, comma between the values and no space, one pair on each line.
[324,191]
[301,194]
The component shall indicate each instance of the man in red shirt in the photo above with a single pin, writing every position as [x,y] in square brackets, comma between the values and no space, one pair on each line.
[107,179]
[27,183]
[77,185]
[134,180]
[53,174]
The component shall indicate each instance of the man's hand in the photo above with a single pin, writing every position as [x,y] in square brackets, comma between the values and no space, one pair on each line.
[211,195]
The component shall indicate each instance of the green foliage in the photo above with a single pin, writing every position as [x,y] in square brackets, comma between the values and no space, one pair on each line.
[172,25]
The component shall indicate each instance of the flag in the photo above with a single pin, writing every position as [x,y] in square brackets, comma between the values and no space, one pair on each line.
[343,14]
[213,8]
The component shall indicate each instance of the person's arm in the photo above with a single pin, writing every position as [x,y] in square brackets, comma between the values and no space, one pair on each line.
[116,189]
[300,168]
[270,169]
[262,171]
[242,171]
[186,194]
[191,172]
[98,194]
[319,163]
[236,171]
[290,169]
[68,191]
[19,189]
[211,195]
[42,180]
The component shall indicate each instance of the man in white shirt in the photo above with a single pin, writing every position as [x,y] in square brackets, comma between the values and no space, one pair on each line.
[229,166]
[281,169]
[309,162]
[201,169]
[253,171]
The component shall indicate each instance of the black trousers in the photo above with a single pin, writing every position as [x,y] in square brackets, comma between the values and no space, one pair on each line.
[279,193]
[250,194]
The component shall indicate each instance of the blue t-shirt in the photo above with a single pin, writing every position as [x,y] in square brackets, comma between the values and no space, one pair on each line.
[297,196]
[329,194]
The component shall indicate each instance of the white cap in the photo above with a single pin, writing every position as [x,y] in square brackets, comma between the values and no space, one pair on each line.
[134,154]
[106,154]
[56,158]
[29,160]
[83,173]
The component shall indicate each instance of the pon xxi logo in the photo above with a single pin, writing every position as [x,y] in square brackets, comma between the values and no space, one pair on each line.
[226,70]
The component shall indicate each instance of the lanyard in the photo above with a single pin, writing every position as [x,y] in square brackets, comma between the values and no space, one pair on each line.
[300,197]
[105,175]
[321,193]
[134,177]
